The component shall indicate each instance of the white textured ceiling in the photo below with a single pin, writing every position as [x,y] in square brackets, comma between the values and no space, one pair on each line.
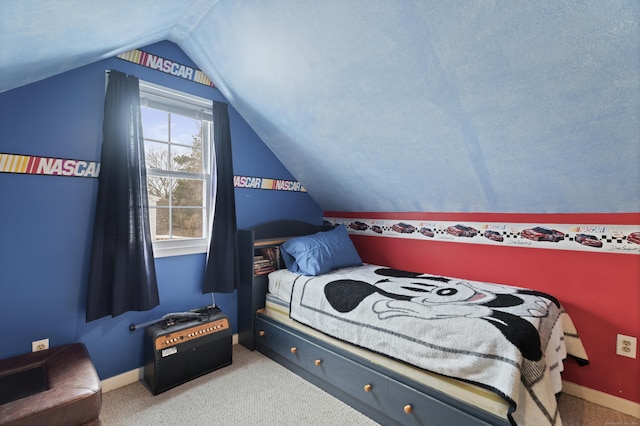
[434,106]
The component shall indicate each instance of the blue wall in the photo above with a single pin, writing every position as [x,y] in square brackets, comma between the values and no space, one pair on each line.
[46,221]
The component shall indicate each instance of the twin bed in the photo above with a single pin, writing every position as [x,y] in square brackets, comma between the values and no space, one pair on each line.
[403,347]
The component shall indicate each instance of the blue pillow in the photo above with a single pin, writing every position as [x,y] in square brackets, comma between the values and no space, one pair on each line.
[320,253]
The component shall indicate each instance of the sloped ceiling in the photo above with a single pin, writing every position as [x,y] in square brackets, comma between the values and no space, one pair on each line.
[433,106]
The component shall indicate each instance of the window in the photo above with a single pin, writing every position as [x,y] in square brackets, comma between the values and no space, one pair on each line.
[177,129]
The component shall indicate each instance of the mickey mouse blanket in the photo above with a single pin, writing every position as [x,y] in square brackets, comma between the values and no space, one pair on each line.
[508,339]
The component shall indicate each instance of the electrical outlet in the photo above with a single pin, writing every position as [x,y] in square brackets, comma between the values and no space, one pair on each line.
[39,345]
[626,346]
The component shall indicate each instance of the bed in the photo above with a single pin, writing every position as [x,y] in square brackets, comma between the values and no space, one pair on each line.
[426,350]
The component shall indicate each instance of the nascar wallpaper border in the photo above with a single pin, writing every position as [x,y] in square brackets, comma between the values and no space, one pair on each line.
[53,166]
[167,66]
[253,182]
[622,239]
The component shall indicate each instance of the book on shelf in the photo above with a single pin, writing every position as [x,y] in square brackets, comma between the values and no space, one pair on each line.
[262,265]
[266,259]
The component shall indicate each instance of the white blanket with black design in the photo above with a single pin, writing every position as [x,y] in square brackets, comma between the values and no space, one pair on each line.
[508,339]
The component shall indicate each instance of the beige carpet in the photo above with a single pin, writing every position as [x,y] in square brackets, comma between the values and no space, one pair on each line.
[578,412]
[254,390]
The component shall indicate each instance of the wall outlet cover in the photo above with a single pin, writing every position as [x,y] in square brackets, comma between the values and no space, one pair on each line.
[39,345]
[626,346]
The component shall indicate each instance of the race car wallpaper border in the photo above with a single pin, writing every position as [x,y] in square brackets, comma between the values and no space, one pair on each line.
[621,239]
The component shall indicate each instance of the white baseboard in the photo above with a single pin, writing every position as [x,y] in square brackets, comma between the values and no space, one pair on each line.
[610,401]
[122,380]
[133,376]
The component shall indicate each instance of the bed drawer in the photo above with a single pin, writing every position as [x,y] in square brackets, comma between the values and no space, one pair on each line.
[282,342]
[411,407]
[361,382]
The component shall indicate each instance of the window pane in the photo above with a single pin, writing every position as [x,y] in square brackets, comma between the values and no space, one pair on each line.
[159,189]
[156,155]
[159,222]
[187,223]
[187,192]
[185,130]
[155,124]
[186,159]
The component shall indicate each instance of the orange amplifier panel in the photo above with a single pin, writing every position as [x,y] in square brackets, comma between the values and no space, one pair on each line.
[194,332]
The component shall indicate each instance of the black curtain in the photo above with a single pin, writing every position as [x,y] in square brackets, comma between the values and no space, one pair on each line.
[122,273]
[222,261]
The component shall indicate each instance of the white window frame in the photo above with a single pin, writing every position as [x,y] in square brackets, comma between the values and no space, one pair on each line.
[163,98]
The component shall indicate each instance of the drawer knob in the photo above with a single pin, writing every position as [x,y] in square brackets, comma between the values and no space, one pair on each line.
[367,387]
[408,409]
[294,350]
[261,333]
[317,362]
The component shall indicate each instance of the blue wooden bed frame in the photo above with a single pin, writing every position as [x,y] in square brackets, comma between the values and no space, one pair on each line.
[378,392]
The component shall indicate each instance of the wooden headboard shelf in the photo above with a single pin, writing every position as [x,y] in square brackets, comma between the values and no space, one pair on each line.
[273,242]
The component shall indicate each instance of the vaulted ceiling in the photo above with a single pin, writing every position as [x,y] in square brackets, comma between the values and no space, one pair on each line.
[393,105]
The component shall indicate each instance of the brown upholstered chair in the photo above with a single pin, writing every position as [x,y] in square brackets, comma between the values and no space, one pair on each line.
[57,386]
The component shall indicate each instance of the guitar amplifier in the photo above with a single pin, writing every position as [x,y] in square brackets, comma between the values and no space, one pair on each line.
[184,346]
